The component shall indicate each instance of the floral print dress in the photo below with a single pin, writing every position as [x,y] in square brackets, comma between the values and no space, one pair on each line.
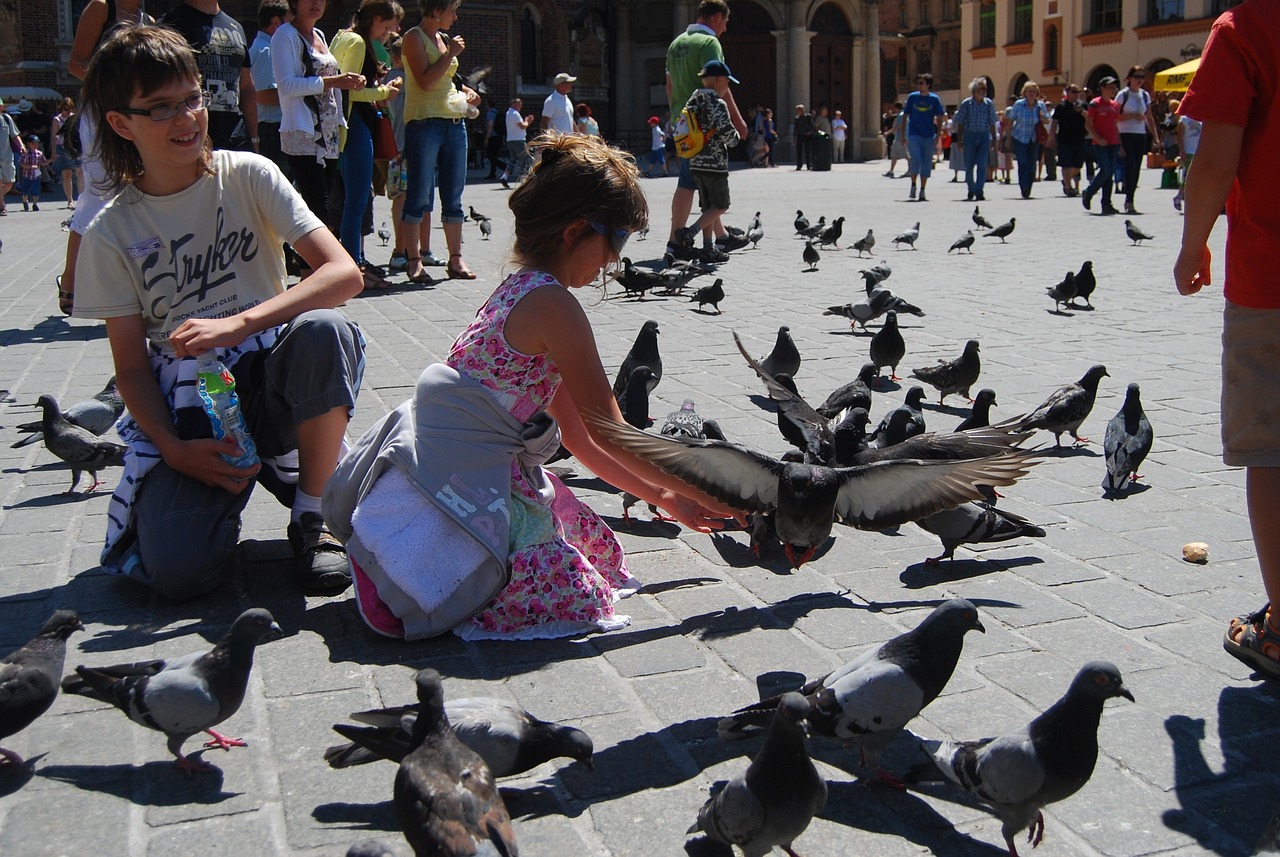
[567,568]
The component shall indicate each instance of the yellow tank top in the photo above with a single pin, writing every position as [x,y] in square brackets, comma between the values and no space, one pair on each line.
[430,103]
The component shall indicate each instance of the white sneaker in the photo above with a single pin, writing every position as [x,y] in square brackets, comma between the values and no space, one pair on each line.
[398,263]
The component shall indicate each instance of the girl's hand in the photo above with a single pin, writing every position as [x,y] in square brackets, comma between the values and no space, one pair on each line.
[455,46]
[696,516]
[197,335]
[1192,270]
[202,460]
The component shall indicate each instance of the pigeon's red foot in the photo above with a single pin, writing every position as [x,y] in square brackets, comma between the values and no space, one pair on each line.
[94,486]
[934,560]
[1080,439]
[1035,834]
[893,377]
[192,766]
[222,742]
[883,779]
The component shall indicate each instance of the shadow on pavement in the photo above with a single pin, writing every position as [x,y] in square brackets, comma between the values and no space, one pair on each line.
[921,575]
[152,784]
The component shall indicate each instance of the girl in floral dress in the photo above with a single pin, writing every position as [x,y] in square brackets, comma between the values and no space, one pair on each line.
[532,346]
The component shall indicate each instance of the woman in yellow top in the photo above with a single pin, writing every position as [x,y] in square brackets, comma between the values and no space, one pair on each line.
[353,50]
[435,135]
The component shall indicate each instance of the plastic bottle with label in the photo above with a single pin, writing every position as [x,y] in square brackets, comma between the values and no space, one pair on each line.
[217,388]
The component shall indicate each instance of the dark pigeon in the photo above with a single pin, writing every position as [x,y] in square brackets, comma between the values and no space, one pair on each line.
[1127,442]
[888,347]
[864,244]
[811,256]
[1045,762]
[975,523]
[475,215]
[185,695]
[644,352]
[1136,235]
[931,446]
[1003,231]
[980,415]
[445,797]
[29,678]
[851,395]
[953,376]
[908,237]
[80,449]
[784,357]
[94,415]
[964,242]
[1085,284]
[802,426]
[980,221]
[711,294]
[807,498]
[780,793]
[851,437]
[870,700]
[1067,407]
[635,398]
[904,421]
[509,739]
[816,229]
[637,281]
[831,235]
[1063,292]
[801,222]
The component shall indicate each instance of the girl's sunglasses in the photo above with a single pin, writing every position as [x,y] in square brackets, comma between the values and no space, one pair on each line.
[617,237]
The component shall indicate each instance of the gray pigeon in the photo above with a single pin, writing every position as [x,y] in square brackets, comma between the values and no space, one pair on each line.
[807,498]
[816,229]
[683,423]
[80,449]
[980,414]
[445,797]
[384,233]
[95,415]
[850,395]
[811,256]
[1063,292]
[780,793]
[1136,235]
[964,242]
[1127,442]
[888,347]
[831,235]
[754,234]
[1067,407]
[475,215]
[908,237]
[875,275]
[644,352]
[29,677]
[1048,760]
[1003,231]
[980,221]
[186,695]
[486,228]
[508,738]
[1085,284]
[864,244]
[711,294]
[953,376]
[784,357]
[975,523]
[868,701]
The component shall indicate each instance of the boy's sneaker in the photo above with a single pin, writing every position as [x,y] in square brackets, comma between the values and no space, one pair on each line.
[912,193]
[729,243]
[321,559]
[922,197]
[35,206]
[712,256]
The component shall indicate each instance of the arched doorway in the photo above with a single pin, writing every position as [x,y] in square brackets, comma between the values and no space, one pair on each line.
[830,59]
[1018,82]
[752,54]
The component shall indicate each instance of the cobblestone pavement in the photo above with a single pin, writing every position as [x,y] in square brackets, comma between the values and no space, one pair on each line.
[1189,769]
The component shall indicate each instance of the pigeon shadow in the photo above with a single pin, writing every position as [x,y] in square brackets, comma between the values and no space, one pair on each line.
[1060,312]
[704,312]
[953,410]
[921,575]
[902,814]
[1227,811]
[1073,451]
[736,554]
[1134,488]
[645,527]
[675,585]
[14,777]
[339,815]
[152,784]
[61,498]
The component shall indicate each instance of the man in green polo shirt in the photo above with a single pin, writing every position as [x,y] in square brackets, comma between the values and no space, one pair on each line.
[687,54]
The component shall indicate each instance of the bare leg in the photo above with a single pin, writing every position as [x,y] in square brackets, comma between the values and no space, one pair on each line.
[681,205]
[1263,492]
[319,444]
[398,225]
[453,238]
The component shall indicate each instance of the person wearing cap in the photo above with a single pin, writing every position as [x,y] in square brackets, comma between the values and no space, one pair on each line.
[686,55]
[1100,123]
[557,109]
[8,164]
[710,166]
[657,147]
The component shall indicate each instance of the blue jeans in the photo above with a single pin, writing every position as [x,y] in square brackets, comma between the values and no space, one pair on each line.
[1028,154]
[436,152]
[977,148]
[1107,156]
[357,180]
[921,150]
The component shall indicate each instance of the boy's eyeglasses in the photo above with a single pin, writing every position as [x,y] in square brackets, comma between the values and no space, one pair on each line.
[168,109]
[617,240]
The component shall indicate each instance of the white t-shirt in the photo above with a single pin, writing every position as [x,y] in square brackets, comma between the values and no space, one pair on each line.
[1133,110]
[515,133]
[1190,134]
[558,111]
[210,251]
[659,138]
[839,130]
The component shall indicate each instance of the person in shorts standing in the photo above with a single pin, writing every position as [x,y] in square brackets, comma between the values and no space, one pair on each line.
[657,148]
[1068,130]
[710,167]
[924,113]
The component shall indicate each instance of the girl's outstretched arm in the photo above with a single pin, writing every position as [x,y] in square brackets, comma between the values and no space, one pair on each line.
[551,320]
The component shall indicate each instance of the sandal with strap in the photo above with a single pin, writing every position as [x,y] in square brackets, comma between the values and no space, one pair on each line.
[373,279]
[454,273]
[422,278]
[1251,640]
[66,299]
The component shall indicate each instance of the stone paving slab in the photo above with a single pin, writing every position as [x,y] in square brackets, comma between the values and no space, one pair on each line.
[1188,769]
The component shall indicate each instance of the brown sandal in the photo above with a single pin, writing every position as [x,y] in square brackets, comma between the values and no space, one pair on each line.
[66,299]
[373,280]
[1251,640]
[422,278]
[454,273]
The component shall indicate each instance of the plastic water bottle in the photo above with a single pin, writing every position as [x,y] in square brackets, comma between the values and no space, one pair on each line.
[217,388]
